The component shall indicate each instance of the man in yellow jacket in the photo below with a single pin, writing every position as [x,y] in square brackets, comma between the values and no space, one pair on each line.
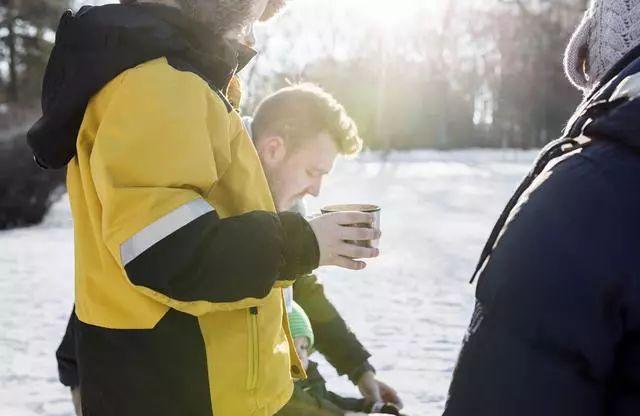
[180,257]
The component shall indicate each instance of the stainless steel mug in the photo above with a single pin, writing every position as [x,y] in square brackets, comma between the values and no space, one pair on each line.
[368,208]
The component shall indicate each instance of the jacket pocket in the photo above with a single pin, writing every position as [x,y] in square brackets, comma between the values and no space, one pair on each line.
[254,349]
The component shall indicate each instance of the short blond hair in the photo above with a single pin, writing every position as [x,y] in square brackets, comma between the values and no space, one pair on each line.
[303,111]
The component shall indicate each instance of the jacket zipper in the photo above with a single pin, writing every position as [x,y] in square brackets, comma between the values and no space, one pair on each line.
[252,378]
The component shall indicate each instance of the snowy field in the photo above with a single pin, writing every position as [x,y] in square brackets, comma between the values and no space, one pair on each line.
[410,307]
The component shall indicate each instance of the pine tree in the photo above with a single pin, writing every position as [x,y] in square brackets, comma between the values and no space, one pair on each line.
[27,30]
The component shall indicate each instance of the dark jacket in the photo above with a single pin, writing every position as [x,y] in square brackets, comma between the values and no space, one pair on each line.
[311,398]
[333,338]
[556,327]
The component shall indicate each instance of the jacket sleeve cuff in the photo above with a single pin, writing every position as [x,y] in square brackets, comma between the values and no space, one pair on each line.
[301,254]
[359,371]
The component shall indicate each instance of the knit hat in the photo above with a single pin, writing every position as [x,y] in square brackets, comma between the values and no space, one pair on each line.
[300,325]
[609,29]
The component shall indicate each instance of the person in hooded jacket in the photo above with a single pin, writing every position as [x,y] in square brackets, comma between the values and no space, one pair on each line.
[556,326]
[180,257]
[289,133]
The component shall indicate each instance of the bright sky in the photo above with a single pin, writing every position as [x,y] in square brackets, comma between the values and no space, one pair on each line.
[336,25]
[385,12]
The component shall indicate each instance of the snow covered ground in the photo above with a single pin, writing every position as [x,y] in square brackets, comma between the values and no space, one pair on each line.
[410,307]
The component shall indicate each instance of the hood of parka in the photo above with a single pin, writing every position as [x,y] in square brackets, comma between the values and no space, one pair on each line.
[96,44]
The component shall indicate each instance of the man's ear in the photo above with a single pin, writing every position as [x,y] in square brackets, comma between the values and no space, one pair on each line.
[272,150]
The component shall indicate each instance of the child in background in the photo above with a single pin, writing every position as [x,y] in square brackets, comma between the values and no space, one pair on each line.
[311,397]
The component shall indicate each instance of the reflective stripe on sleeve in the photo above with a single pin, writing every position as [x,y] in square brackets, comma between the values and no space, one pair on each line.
[153,233]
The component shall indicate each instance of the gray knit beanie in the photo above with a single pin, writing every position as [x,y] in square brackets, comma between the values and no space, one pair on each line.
[609,29]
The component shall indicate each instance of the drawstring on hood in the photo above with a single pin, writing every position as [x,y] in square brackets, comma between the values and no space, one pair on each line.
[96,44]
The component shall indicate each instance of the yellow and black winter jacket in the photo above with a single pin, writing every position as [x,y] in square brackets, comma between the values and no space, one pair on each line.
[180,257]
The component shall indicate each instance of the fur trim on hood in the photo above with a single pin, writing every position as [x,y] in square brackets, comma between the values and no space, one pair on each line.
[225,15]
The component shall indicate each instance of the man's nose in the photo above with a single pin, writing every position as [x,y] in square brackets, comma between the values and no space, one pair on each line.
[314,189]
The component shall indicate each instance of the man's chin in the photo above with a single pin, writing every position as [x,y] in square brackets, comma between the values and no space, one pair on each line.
[282,207]
[290,205]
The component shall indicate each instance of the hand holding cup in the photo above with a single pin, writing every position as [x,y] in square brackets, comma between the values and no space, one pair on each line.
[346,235]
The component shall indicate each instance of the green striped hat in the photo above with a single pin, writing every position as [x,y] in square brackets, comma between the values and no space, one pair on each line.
[299,324]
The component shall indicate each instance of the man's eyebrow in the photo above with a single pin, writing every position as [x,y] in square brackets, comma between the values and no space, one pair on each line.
[321,170]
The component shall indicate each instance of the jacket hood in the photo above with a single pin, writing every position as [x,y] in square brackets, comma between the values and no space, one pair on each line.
[96,44]
[611,111]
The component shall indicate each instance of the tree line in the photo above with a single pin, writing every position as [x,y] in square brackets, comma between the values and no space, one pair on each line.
[482,73]
[27,31]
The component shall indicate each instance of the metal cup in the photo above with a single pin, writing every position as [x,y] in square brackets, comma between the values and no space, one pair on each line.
[368,208]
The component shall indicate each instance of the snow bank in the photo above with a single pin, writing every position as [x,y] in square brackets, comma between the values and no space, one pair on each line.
[410,307]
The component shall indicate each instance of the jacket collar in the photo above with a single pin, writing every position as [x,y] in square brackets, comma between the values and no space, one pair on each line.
[602,117]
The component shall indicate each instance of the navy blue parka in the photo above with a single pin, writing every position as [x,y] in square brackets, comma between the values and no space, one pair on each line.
[556,327]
